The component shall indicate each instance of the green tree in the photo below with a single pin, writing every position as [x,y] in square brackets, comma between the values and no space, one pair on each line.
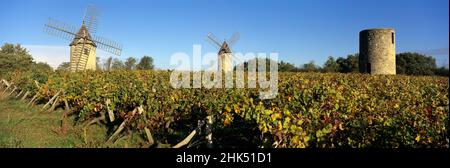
[97,63]
[310,67]
[42,66]
[40,71]
[442,71]
[349,64]
[65,66]
[14,57]
[145,63]
[107,64]
[286,67]
[117,64]
[331,65]
[130,63]
[257,62]
[415,64]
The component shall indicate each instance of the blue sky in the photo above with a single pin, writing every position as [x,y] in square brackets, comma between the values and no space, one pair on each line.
[299,31]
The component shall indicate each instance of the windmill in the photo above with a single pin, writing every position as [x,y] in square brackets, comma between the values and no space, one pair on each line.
[225,54]
[83,40]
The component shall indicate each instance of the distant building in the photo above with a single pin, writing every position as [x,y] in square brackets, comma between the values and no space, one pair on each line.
[377,51]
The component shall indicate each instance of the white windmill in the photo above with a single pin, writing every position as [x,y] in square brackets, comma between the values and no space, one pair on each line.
[225,55]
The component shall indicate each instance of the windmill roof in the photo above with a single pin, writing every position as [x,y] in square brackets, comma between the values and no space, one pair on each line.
[83,33]
[224,48]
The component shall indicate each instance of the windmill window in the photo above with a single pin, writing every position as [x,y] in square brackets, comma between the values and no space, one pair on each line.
[392,37]
[86,51]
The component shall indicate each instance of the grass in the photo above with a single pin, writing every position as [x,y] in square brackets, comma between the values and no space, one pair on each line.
[28,127]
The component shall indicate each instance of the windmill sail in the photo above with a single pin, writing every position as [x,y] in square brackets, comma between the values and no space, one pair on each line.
[107,45]
[68,32]
[213,40]
[60,29]
[91,19]
[233,39]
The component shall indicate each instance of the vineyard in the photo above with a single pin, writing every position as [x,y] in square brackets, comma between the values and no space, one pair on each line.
[318,110]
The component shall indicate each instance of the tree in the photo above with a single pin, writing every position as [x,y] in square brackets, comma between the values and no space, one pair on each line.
[130,63]
[65,66]
[145,63]
[257,62]
[286,67]
[41,66]
[331,65]
[310,67]
[40,71]
[14,57]
[107,64]
[349,64]
[97,63]
[442,71]
[415,64]
[117,64]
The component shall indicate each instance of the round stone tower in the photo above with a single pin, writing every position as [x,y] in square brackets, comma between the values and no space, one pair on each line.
[377,51]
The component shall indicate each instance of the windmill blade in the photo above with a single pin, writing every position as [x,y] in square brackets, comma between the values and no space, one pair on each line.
[233,39]
[91,19]
[107,45]
[60,29]
[213,40]
[212,43]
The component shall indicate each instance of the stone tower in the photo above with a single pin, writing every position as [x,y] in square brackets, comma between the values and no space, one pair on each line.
[82,51]
[225,62]
[377,51]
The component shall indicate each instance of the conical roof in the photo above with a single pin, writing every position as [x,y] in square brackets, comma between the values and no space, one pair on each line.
[83,33]
[224,48]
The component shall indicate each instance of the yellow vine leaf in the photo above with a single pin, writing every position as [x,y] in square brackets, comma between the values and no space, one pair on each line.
[417,138]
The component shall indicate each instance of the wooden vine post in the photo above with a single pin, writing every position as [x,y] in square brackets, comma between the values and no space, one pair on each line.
[149,136]
[12,91]
[209,141]
[4,91]
[7,84]
[65,113]
[25,95]
[186,140]
[138,110]
[51,100]
[33,99]
[18,95]
[55,103]
[110,112]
